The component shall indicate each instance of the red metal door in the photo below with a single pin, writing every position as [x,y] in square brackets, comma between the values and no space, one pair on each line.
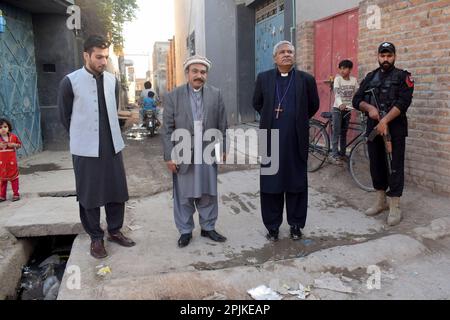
[336,39]
[323,62]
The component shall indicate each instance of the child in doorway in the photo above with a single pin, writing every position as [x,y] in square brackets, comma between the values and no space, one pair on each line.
[9,170]
[345,87]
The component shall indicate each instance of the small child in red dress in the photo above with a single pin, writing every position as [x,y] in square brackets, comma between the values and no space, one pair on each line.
[9,170]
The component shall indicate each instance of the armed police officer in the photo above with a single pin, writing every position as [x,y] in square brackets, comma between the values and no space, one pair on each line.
[385,96]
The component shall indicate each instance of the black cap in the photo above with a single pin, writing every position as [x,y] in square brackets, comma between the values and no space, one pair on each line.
[386,47]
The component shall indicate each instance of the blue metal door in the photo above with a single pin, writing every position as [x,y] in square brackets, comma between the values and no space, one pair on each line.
[18,79]
[269,31]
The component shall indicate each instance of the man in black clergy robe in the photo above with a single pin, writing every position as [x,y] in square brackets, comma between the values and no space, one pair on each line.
[286,99]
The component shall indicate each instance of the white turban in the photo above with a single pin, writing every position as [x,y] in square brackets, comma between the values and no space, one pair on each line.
[197,60]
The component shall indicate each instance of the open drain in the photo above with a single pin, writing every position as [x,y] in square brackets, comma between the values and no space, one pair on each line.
[42,276]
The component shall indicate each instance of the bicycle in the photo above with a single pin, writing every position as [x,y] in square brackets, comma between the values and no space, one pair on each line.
[358,161]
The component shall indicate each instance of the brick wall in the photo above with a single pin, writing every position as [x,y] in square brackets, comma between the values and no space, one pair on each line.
[305,47]
[420,29]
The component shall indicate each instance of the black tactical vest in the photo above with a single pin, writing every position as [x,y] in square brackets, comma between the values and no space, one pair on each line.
[387,90]
[386,87]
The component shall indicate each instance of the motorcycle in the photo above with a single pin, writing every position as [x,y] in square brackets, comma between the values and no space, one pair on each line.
[151,122]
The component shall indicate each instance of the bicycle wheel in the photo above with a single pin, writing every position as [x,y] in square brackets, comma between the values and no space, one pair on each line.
[319,146]
[359,166]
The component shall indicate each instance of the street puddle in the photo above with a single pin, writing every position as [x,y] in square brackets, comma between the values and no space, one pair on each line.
[137,133]
[283,249]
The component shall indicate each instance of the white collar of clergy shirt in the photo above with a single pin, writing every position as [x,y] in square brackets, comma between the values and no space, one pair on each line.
[285,74]
[196,91]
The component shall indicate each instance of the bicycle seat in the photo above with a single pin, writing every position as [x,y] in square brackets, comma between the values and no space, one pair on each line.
[326,115]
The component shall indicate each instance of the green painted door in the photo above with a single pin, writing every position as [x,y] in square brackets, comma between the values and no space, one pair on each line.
[18,79]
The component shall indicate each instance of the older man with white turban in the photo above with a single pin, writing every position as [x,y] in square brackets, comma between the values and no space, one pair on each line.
[194,108]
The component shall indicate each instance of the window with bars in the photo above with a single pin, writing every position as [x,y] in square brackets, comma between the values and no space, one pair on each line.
[269,9]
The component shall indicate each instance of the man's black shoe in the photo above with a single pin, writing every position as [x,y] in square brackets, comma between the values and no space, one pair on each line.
[272,235]
[184,240]
[296,233]
[213,235]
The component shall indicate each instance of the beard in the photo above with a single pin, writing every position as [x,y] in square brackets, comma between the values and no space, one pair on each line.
[99,69]
[387,65]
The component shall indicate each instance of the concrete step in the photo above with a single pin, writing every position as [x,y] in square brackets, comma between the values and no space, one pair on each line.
[32,185]
[14,254]
[234,282]
[36,217]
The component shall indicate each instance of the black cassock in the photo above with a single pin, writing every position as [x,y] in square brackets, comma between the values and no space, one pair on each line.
[300,103]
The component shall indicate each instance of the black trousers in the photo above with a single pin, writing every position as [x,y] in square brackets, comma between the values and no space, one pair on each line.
[272,206]
[90,219]
[394,183]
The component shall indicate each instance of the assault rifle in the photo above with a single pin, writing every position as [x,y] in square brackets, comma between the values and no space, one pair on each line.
[387,138]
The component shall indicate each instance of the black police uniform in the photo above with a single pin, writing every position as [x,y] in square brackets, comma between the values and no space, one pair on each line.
[393,88]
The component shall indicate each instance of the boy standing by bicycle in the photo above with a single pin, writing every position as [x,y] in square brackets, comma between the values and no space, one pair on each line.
[345,87]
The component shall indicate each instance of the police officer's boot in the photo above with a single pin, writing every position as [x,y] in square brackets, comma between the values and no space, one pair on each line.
[395,214]
[379,206]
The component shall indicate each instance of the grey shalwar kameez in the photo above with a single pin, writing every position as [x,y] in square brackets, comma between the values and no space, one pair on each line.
[197,188]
